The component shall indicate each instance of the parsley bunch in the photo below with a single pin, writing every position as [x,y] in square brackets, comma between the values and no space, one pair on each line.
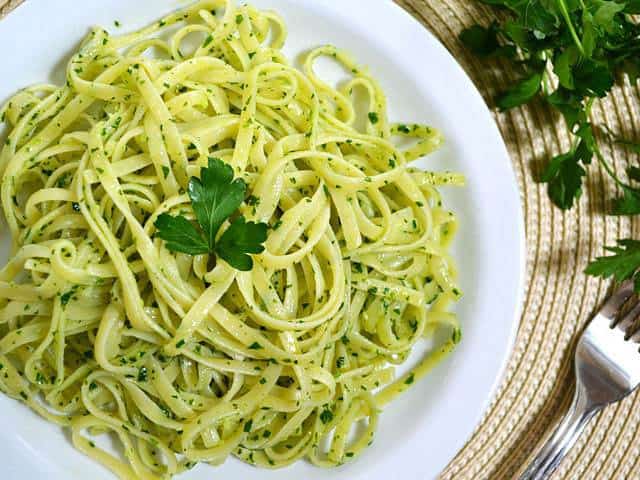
[571,52]
[215,197]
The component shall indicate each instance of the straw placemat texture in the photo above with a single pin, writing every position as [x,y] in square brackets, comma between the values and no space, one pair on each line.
[559,298]
[7,5]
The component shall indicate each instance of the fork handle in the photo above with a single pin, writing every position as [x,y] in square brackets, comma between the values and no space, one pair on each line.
[556,447]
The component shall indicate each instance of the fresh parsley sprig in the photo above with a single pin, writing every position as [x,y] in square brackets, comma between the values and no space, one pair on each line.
[571,52]
[215,197]
[587,44]
[622,265]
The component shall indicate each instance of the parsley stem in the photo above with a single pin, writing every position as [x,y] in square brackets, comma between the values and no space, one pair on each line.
[589,106]
[603,161]
[567,18]
[607,167]
[546,85]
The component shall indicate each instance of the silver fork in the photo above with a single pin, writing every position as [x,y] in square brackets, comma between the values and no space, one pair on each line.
[607,367]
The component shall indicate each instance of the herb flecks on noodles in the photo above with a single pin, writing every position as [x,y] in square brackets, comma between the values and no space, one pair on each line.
[186,359]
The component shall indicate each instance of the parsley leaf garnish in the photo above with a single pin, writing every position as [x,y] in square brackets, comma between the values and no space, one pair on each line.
[181,235]
[215,197]
[521,93]
[629,203]
[481,41]
[240,239]
[622,265]
[564,176]
[564,173]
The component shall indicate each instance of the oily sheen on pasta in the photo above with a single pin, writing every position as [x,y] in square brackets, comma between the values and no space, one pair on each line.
[184,359]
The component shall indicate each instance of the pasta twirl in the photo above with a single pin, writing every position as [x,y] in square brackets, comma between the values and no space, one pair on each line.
[182,358]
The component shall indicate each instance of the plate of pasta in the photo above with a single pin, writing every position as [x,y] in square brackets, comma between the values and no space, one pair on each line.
[280,239]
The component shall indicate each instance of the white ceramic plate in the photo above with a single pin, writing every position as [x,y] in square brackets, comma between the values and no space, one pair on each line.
[423,430]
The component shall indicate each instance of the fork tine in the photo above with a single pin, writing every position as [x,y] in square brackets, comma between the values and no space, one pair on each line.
[628,320]
[612,306]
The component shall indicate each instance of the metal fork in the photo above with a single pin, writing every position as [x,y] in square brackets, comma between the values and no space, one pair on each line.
[607,367]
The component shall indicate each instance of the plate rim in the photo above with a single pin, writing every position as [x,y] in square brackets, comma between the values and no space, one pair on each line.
[522,237]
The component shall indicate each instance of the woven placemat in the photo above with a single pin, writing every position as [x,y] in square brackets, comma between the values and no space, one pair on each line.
[538,383]
[7,5]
